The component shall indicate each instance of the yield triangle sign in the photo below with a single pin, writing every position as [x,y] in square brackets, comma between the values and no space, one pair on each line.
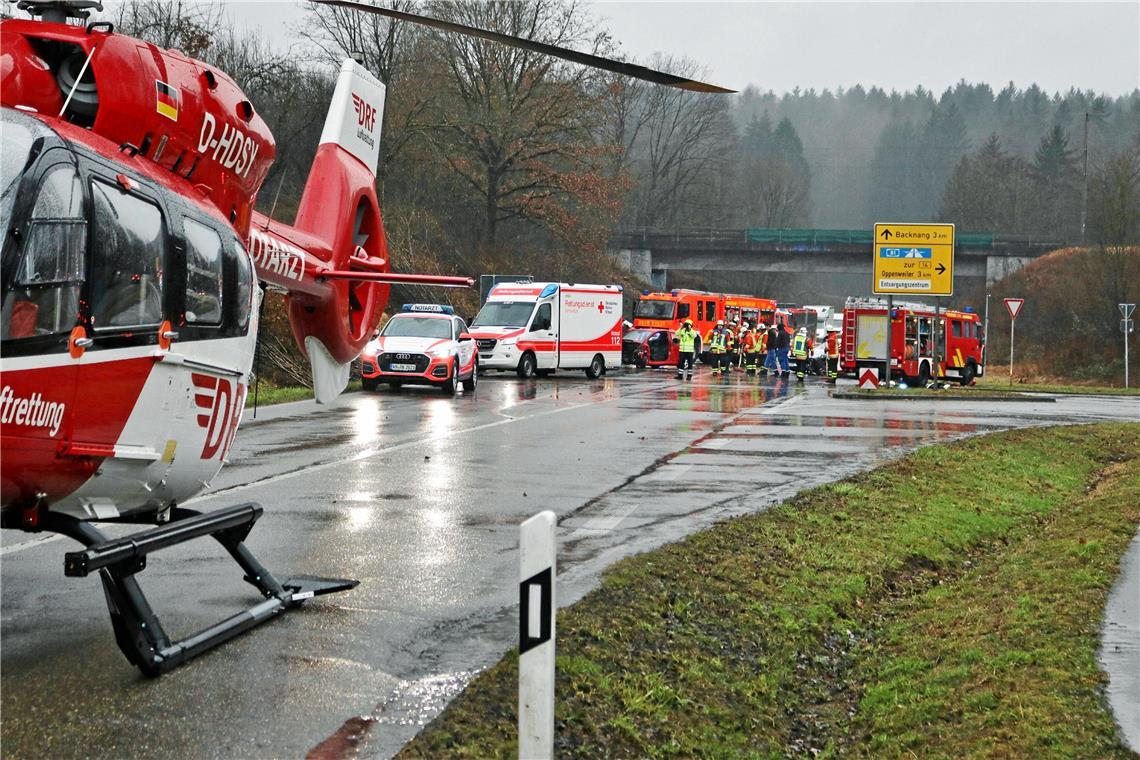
[1014,306]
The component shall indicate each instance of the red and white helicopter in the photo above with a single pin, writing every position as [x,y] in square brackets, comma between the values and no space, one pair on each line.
[131,255]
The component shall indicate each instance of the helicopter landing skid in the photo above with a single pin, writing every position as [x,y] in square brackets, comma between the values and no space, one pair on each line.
[137,630]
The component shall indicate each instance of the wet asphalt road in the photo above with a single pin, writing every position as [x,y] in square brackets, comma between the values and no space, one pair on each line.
[419,496]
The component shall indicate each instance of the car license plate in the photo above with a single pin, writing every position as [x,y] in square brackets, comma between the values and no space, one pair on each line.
[403,368]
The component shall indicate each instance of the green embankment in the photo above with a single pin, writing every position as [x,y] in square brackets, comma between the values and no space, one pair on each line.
[997,382]
[953,393]
[946,605]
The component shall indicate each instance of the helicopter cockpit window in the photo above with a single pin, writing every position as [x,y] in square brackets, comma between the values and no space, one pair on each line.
[128,267]
[203,274]
[244,301]
[43,298]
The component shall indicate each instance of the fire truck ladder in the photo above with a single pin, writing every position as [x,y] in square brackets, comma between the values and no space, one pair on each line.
[138,631]
[849,336]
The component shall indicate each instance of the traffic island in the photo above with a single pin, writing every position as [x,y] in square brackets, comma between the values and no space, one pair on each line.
[947,604]
[954,393]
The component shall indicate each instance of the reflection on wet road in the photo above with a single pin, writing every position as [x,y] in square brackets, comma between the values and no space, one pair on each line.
[419,496]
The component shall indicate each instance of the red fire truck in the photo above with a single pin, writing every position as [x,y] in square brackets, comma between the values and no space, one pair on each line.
[917,338]
[668,310]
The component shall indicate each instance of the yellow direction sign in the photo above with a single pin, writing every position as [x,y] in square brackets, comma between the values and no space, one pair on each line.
[914,258]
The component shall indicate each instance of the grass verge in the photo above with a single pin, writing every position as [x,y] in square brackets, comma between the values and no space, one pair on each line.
[898,613]
[268,395]
[995,384]
[955,392]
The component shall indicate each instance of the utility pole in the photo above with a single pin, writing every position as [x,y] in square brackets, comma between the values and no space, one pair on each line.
[1085,182]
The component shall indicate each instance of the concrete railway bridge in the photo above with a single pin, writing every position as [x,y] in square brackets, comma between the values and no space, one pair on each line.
[805,266]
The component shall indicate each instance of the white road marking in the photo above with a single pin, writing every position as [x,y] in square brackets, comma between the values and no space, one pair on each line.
[780,406]
[604,522]
[13,548]
[673,472]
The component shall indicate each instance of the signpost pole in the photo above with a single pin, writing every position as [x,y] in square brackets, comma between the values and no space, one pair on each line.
[1126,310]
[1012,322]
[937,343]
[1013,306]
[887,371]
[914,259]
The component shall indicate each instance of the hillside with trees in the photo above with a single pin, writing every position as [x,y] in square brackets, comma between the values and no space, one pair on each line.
[1069,326]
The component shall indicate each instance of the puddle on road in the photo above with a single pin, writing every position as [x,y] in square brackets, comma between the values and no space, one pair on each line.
[726,398]
[1120,647]
[413,703]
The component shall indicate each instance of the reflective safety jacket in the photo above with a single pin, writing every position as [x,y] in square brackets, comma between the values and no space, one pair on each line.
[717,341]
[687,338]
[832,345]
[748,342]
[800,346]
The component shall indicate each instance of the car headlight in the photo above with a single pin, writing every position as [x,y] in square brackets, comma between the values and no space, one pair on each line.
[440,353]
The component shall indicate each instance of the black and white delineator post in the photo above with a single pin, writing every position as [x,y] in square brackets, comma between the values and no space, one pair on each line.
[536,637]
[1126,310]
[1014,306]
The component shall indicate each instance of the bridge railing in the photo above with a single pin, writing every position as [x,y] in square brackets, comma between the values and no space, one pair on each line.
[641,237]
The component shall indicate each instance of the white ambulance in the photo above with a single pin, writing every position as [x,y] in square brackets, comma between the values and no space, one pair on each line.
[536,327]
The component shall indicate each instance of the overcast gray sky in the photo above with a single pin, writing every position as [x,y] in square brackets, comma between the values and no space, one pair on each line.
[895,45]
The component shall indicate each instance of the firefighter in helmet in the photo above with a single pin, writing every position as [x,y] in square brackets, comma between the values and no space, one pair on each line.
[832,354]
[717,341]
[748,347]
[800,349]
[686,340]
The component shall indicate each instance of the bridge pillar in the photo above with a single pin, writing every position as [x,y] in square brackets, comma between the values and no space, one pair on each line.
[1000,267]
[638,262]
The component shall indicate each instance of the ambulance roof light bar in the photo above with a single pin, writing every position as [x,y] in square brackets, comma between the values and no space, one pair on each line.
[430,308]
[548,291]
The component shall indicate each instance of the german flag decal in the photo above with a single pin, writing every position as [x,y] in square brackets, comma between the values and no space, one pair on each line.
[167,100]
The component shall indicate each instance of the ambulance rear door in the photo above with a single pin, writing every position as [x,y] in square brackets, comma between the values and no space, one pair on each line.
[590,318]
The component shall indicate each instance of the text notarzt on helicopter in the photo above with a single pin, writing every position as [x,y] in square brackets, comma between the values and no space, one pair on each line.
[276,256]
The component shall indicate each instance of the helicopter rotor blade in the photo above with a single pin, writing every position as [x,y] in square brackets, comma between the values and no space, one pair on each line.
[586,59]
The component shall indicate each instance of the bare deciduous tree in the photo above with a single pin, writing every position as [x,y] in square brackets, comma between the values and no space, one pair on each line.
[513,125]
[678,144]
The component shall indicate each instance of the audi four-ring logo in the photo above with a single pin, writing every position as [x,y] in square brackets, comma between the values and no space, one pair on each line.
[403,356]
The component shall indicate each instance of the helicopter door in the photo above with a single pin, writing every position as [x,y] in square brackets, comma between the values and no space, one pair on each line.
[125,291]
[42,287]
